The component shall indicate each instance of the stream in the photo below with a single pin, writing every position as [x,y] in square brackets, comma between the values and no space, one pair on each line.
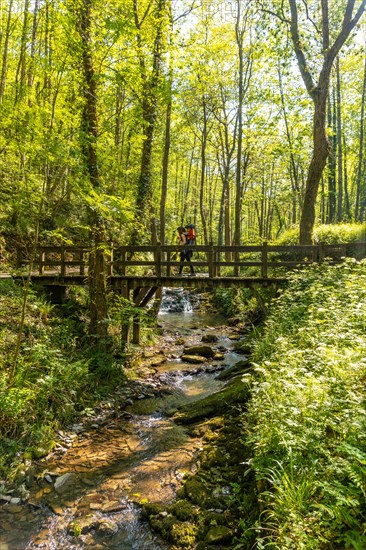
[88,492]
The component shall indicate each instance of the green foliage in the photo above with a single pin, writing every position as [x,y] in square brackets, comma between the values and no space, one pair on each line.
[306,419]
[328,234]
[231,301]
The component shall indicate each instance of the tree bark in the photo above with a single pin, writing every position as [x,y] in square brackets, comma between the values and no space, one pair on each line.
[360,193]
[97,269]
[4,66]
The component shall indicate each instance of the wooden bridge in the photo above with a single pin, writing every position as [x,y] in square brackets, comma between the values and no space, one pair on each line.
[137,272]
[157,266]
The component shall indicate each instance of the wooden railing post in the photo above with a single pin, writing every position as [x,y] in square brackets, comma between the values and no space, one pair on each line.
[63,266]
[236,266]
[158,260]
[321,254]
[82,262]
[19,260]
[110,262]
[42,259]
[210,259]
[168,267]
[125,328]
[123,261]
[265,260]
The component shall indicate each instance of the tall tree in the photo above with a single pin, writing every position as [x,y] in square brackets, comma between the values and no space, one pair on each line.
[90,133]
[319,89]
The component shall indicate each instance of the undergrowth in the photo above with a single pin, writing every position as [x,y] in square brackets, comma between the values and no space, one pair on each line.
[306,418]
[328,234]
[57,374]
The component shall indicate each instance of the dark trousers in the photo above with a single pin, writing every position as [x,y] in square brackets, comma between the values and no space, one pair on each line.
[186,255]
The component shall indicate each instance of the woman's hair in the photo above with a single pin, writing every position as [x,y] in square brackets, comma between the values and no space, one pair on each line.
[180,228]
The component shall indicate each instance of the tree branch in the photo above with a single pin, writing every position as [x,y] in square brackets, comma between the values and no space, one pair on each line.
[305,73]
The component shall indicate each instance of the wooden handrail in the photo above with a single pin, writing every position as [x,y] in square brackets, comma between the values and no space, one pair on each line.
[161,259]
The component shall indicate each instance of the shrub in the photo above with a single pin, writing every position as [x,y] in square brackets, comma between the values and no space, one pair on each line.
[306,418]
[328,234]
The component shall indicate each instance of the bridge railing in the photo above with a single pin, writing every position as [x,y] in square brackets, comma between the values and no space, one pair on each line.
[255,260]
[214,261]
[62,260]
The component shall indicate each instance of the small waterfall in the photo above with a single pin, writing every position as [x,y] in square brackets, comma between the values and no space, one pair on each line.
[178,300]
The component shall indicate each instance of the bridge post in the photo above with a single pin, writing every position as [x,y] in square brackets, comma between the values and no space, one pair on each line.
[19,260]
[321,253]
[63,266]
[158,260]
[42,259]
[137,294]
[125,329]
[110,263]
[236,266]
[265,260]
[168,267]
[123,261]
[82,262]
[211,265]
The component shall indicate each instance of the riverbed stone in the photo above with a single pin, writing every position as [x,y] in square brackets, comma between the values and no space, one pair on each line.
[64,482]
[243,347]
[106,527]
[209,338]
[194,359]
[204,351]
[83,525]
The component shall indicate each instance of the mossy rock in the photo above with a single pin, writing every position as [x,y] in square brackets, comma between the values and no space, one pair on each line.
[204,351]
[196,491]
[215,404]
[243,347]
[152,509]
[214,518]
[184,534]
[218,534]
[241,367]
[163,524]
[194,359]
[183,510]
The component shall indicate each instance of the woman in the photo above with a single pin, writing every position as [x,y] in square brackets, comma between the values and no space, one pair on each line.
[185,254]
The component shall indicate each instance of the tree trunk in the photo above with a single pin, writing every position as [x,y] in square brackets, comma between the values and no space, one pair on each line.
[97,270]
[339,145]
[360,192]
[144,205]
[4,66]
[21,70]
[203,171]
[332,195]
[318,161]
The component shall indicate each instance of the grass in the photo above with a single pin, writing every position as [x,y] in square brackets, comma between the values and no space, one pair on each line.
[306,418]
